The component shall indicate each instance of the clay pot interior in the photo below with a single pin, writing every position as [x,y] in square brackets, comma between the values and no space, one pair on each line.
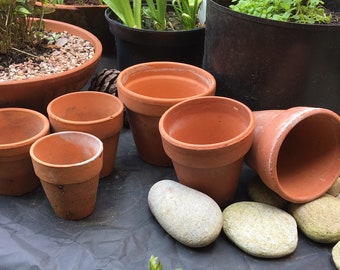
[148,90]
[19,129]
[97,113]
[296,152]
[207,138]
[68,165]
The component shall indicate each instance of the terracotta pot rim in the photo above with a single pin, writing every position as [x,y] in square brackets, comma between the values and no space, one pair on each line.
[42,132]
[78,164]
[71,7]
[163,65]
[246,133]
[97,121]
[302,113]
[46,79]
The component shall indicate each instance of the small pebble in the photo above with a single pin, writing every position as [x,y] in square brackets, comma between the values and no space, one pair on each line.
[259,192]
[336,255]
[335,189]
[189,216]
[260,229]
[319,219]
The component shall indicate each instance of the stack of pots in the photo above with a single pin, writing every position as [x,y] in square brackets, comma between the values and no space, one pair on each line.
[70,161]
[192,130]
[176,120]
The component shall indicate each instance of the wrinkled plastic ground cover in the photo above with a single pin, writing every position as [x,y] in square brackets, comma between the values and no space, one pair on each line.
[122,233]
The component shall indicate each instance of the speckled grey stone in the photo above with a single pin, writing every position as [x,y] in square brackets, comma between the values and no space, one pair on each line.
[335,189]
[319,219]
[260,229]
[189,216]
[259,192]
[336,255]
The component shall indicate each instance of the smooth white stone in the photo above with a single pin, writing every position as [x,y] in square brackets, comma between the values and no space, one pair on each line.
[259,192]
[319,219]
[335,188]
[189,216]
[336,255]
[260,229]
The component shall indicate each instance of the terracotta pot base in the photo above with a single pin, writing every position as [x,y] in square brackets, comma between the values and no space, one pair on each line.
[74,201]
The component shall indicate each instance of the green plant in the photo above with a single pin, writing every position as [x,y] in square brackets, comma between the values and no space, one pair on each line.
[157,12]
[18,26]
[187,11]
[299,11]
[155,264]
[130,13]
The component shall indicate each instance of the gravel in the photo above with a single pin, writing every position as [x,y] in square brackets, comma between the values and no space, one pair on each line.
[68,52]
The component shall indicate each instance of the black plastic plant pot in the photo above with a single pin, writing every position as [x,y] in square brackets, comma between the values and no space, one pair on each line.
[134,46]
[268,64]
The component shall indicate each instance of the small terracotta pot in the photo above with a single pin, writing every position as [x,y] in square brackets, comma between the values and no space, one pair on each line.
[296,152]
[97,113]
[19,129]
[68,164]
[148,90]
[207,138]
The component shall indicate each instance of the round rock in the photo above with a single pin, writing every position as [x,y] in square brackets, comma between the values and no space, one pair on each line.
[335,189]
[336,255]
[189,216]
[319,219]
[259,192]
[260,229]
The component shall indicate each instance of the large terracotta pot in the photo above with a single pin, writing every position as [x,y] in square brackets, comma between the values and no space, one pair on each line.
[296,152]
[270,65]
[68,164]
[20,128]
[36,93]
[148,90]
[97,113]
[206,139]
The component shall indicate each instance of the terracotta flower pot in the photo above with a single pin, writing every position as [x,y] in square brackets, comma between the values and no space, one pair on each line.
[97,113]
[68,164]
[36,93]
[207,138]
[148,90]
[296,152]
[19,129]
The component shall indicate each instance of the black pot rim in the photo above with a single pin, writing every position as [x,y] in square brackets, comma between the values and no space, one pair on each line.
[109,15]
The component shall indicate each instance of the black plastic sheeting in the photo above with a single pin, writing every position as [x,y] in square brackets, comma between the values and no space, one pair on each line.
[122,233]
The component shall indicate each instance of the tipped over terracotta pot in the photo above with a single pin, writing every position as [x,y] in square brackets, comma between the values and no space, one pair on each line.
[19,129]
[68,164]
[206,139]
[148,90]
[296,152]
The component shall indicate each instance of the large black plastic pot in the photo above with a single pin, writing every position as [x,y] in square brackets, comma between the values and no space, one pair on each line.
[272,65]
[134,46]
